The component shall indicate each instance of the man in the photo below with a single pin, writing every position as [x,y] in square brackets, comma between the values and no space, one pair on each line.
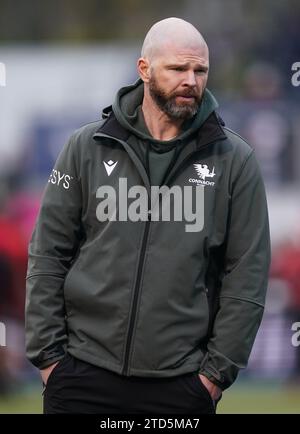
[136,303]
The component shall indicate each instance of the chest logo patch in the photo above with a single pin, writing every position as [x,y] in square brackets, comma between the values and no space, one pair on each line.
[203,172]
[109,166]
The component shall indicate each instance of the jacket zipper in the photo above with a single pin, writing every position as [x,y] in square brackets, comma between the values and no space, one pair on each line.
[136,293]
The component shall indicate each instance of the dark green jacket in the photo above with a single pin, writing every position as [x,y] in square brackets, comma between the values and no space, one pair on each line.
[149,298]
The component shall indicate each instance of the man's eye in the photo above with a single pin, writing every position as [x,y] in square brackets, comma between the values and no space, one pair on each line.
[200,71]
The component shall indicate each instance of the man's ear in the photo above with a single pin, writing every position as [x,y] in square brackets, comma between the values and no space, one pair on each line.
[143,67]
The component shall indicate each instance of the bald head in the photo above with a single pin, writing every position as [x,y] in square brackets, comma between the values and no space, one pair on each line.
[171,32]
[174,68]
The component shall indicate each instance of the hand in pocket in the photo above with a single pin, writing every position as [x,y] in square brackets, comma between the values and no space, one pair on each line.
[45,373]
[214,391]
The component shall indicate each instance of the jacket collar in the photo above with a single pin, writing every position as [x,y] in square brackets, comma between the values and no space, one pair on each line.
[111,126]
[210,131]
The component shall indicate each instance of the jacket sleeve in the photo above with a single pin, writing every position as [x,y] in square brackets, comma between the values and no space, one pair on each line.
[53,245]
[243,290]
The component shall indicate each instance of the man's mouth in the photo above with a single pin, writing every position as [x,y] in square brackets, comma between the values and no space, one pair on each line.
[185,98]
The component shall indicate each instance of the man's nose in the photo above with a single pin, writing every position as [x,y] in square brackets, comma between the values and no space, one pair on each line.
[190,78]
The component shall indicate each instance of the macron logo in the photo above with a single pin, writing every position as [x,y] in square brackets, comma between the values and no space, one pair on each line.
[109,166]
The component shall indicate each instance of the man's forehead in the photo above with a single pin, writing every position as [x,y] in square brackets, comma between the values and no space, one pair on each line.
[174,53]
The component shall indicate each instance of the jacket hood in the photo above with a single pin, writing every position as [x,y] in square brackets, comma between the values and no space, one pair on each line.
[126,108]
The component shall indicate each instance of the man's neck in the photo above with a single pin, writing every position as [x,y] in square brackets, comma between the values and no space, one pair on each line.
[158,123]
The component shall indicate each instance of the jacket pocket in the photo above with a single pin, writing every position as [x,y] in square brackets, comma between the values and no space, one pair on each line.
[56,368]
[203,390]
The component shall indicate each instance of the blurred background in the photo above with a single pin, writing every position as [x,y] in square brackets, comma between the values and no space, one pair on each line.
[64,61]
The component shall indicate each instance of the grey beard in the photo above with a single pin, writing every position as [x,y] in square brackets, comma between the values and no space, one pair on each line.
[169,106]
[179,112]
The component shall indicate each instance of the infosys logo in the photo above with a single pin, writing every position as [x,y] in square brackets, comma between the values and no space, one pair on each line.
[60,179]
